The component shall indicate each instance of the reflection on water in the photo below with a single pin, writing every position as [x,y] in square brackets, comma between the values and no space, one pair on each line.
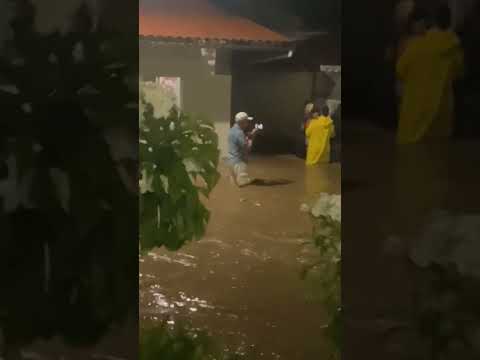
[242,282]
[399,188]
[179,258]
[320,179]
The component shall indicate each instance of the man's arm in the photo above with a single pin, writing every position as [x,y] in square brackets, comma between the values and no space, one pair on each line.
[247,141]
[251,135]
[243,144]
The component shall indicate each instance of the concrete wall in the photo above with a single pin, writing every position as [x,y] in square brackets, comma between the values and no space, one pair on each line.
[203,93]
[275,99]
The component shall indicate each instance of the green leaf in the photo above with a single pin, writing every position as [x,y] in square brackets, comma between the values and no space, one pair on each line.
[184,216]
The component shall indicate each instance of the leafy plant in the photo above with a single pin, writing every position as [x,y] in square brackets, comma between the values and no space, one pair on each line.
[178,163]
[68,262]
[449,287]
[179,158]
[61,174]
[166,344]
[448,313]
[326,238]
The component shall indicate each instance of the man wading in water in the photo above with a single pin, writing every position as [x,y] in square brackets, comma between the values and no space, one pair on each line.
[239,146]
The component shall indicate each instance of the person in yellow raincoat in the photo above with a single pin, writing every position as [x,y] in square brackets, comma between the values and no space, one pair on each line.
[416,27]
[422,168]
[427,69]
[319,132]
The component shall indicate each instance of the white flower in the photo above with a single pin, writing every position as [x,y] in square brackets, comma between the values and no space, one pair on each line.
[172,126]
[329,206]
[450,239]
[191,165]
[165,183]
[305,208]
[145,183]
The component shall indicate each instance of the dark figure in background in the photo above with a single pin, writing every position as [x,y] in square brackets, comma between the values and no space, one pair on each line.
[428,69]
[301,139]
[468,91]
[417,26]
[337,140]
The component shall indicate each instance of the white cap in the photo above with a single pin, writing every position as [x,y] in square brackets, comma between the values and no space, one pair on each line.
[242,116]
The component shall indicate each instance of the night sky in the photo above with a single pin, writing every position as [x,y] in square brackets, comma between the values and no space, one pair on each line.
[314,14]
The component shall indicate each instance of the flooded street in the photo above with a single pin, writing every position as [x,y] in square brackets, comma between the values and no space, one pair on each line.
[390,194]
[242,281]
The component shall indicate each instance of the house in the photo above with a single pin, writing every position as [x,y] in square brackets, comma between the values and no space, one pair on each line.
[186,51]
[276,88]
[212,63]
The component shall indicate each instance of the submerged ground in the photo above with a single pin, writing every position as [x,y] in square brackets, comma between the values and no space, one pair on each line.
[242,281]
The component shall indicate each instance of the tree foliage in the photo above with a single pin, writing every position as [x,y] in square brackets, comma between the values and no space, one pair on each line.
[68,263]
[326,238]
[448,314]
[448,285]
[167,344]
[179,158]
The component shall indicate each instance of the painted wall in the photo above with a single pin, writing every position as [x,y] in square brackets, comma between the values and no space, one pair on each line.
[202,93]
[277,100]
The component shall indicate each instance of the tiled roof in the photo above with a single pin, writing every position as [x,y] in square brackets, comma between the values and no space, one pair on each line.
[200,20]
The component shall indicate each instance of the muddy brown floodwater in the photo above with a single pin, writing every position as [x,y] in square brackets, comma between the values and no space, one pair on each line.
[242,282]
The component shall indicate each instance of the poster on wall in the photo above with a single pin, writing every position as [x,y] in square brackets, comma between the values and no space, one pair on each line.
[163,93]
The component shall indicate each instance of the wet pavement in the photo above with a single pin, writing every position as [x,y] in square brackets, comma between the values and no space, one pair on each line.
[242,281]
